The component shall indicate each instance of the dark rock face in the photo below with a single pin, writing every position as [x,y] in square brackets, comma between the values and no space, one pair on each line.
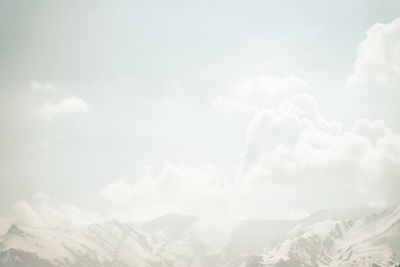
[14,230]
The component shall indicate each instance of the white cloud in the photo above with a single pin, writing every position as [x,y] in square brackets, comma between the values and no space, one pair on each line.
[270,128]
[373,130]
[257,92]
[377,67]
[297,148]
[174,188]
[64,107]
[41,86]
[293,156]
[43,214]
[118,191]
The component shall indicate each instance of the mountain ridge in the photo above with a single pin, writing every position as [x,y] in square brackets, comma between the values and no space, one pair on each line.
[325,238]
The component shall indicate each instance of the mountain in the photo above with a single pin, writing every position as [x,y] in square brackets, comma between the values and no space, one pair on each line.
[108,244]
[373,240]
[338,214]
[326,238]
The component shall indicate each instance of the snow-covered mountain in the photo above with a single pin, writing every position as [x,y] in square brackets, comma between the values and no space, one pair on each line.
[326,238]
[107,244]
[373,240]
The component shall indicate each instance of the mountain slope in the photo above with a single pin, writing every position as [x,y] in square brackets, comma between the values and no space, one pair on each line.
[108,244]
[370,241]
[326,238]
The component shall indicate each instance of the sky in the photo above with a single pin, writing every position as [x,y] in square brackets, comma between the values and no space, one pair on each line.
[241,109]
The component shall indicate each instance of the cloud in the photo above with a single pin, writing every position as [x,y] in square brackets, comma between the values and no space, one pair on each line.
[118,191]
[36,86]
[257,92]
[293,156]
[296,147]
[64,107]
[174,188]
[376,74]
[272,128]
[43,214]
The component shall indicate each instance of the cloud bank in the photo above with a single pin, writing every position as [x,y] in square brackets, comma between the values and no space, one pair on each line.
[293,156]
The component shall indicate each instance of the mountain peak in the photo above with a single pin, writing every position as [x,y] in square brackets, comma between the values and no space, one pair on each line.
[14,230]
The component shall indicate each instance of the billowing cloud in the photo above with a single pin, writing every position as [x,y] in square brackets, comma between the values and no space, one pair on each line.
[293,156]
[377,67]
[257,92]
[297,147]
[274,128]
[64,107]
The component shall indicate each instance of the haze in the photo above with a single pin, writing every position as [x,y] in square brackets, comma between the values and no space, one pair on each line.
[237,109]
